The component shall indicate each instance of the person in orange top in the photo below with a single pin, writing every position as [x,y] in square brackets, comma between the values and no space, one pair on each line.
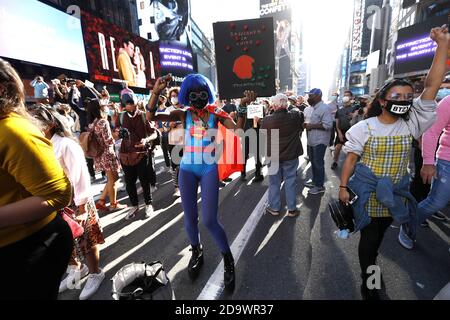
[35,242]
[124,63]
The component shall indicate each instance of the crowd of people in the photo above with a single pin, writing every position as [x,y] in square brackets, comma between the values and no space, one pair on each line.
[46,174]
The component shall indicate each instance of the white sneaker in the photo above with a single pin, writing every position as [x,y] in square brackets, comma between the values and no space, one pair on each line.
[149,211]
[132,213]
[177,193]
[92,284]
[73,279]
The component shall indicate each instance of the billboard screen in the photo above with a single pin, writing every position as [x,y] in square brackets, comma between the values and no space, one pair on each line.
[34,32]
[167,21]
[245,57]
[115,55]
[414,48]
[281,12]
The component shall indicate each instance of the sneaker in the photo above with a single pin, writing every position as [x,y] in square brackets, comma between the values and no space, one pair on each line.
[317,190]
[73,278]
[309,184]
[149,211]
[177,193]
[440,216]
[293,214]
[425,224]
[132,213]
[405,240]
[272,212]
[334,166]
[92,284]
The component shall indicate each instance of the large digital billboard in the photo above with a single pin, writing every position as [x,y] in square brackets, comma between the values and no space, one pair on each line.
[414,48]
[115,55]
[281,12]
[34,32]
[167,21]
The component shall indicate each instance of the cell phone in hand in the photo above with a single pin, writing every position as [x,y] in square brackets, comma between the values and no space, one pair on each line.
[353,196]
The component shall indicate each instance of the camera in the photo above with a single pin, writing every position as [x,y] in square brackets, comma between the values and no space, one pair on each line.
[124,133]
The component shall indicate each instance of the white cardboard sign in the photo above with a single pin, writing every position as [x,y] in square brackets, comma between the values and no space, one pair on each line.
[255,111]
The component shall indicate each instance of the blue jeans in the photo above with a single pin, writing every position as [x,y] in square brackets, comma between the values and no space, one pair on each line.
[318,164]
[288,172]
[439,196]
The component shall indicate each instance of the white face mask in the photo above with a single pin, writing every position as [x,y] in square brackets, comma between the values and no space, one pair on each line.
[174,100]
[345,99]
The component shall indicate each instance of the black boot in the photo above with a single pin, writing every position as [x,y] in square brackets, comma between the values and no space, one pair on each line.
[196,262]
[228,276]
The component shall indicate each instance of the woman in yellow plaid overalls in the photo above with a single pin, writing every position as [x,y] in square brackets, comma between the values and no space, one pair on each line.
[382,144]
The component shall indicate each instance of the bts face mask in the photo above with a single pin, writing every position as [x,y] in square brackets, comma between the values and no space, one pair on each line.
[399,108]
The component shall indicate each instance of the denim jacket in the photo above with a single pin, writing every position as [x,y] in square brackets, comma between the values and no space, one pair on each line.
[364,182]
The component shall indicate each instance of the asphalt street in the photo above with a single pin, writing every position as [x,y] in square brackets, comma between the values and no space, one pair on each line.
[278,258]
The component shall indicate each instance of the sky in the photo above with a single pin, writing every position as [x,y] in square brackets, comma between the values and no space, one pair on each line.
[326,26]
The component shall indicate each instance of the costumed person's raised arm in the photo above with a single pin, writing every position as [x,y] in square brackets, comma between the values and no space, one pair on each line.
[152,106]
[249,97]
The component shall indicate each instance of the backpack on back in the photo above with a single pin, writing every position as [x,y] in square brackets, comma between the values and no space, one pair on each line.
[90,144]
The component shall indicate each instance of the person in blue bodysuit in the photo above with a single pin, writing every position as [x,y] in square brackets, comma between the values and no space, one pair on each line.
[198,166]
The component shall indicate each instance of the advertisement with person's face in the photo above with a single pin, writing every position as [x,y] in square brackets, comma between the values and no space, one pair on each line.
[171,28]
[114,55]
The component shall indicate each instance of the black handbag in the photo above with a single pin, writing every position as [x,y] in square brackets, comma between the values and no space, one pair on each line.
[342,215]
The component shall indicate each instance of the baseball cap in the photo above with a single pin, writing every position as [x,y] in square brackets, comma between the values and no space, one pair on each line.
[128,98]
[315,91]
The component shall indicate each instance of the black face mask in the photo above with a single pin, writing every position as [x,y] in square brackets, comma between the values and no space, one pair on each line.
[311,102]
[199,104]
[399,108]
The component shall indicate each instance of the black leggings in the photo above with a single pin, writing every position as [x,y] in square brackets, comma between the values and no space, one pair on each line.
[370,242]
[140,170]
[165,149]
[32,268]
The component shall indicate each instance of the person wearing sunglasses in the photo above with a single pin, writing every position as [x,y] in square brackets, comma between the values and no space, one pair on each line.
[378,153]
[197,92]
